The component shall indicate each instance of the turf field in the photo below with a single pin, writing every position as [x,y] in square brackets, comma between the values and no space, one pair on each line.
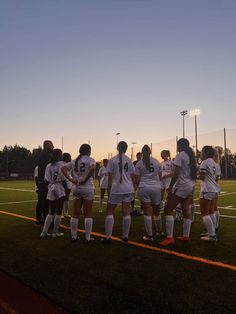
[139,277]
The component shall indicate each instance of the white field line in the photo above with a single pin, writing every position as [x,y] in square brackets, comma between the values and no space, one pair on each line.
[13,189]
[198,213]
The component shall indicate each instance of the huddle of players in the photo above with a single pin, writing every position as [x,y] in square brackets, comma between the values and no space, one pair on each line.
[149,177]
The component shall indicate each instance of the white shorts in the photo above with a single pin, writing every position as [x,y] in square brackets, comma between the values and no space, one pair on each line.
[184,191]
[121,198]
[150,195]
[208,195]
[55,191]
[87,193]
[165,183]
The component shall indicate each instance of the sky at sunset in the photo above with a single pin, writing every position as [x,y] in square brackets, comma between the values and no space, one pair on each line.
[86,70]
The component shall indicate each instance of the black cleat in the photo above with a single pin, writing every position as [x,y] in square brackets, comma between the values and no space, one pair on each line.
[124,239]
[106,241]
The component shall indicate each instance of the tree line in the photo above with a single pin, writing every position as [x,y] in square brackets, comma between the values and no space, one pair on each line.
[17,159]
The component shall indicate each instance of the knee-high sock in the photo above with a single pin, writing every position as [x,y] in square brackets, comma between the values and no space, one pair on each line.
[213,218]
[57,221]
[158,222]
[148,225]
[169,226]
[74,225]
[209,225]
[126,226]
[109,223]
[186,227]
[88,224]
[47,222]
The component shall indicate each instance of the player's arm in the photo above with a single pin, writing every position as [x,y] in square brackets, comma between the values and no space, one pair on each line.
[175,177]
[66,173]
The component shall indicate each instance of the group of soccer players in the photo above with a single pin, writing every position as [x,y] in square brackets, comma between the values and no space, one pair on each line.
[174,179]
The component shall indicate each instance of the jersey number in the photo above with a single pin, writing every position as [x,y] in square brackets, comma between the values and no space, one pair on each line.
[82,167]
[126,167]
[151,169]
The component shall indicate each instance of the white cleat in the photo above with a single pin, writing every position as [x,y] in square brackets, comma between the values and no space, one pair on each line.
[45,235]
[57,234]
[209,238]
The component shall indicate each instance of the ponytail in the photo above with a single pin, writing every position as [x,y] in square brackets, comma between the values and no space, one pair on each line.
[146,151]
[121,147]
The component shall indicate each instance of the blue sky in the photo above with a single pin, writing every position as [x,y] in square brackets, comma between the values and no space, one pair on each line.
[86,70]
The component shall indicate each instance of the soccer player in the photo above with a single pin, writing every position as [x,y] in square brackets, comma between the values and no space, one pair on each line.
[66,157]
[181,191]
[55,195]
[82,170]
[135,212]
[208,192]
[121,183]
[167,171]
[217,177]
[103,182]
[44,160]
[147,177]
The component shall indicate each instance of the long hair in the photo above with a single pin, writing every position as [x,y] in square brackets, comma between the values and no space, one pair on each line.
[84,150]
[122,148]
[146,151]
[56,155]
[183,145]
[66,157]
[208,151]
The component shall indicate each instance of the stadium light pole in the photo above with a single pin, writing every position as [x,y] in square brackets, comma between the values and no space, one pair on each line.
[194,113]
[117,138]
[183,114]
[132,150]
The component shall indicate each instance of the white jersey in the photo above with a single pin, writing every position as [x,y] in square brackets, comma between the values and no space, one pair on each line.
[167,167]
[182,161]
[103,175]
[126,185]
[148,177]
[54,177]
[83,167]
[68,183]
[209,184]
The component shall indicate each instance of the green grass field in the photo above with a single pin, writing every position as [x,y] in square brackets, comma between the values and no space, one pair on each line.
[119,278]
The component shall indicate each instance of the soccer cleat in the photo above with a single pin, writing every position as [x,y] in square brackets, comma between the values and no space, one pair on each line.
[209,238]
[106,240]
[204,234]
[57,234]
[124,239]
[89,240]
[159,233]
[148,238]
[74,239]
[45,235]
[167,242]
[184,239]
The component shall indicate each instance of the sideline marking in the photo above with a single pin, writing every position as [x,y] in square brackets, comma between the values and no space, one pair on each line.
[145,246]
[6,307]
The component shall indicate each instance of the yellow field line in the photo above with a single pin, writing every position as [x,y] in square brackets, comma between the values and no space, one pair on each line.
[145,246]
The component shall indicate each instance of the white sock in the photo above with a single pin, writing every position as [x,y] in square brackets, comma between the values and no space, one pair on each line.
[217,215]
[88,224]
[169,226]
[57,221]
[213,218]
[109,223]
[148,225]
[158,222]
[47,222]
[209,225]
[186,227]
[101,203]
[126,226]
[73,226]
